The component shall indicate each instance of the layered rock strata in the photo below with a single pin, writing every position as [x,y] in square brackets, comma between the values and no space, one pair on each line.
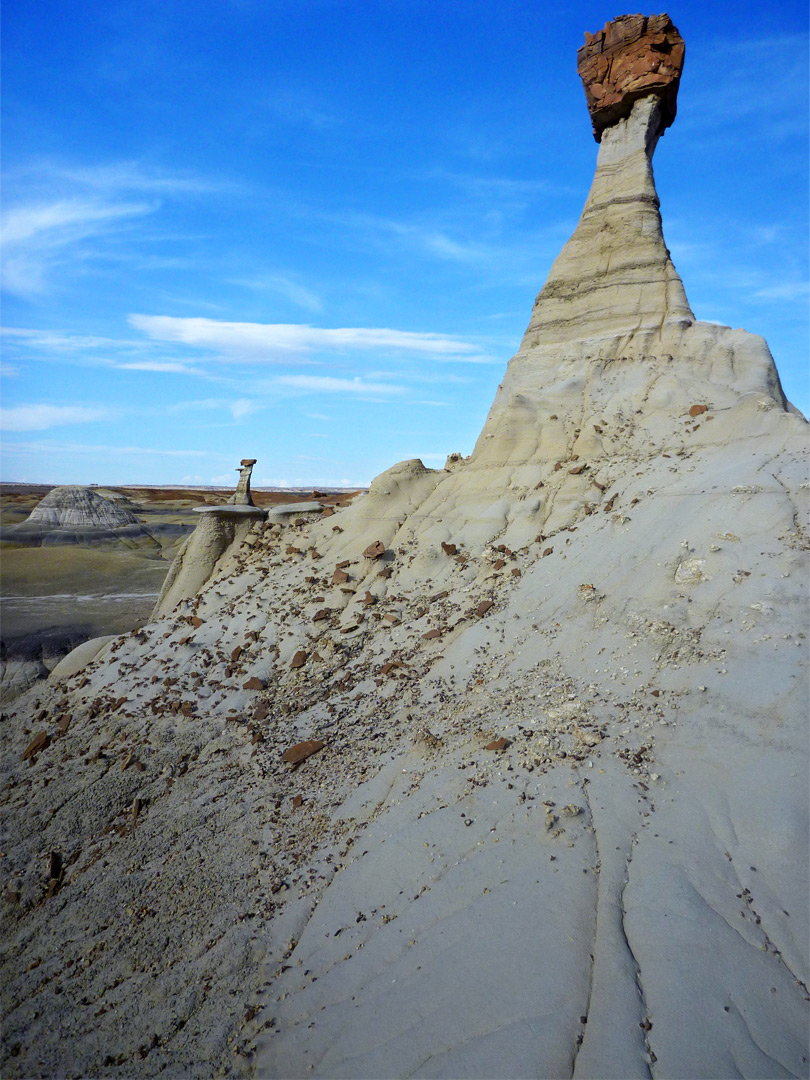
[79,507]
[556,822]
[79,515]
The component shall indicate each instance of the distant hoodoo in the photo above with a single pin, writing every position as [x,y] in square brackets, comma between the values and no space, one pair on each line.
[242,496]
[631,57]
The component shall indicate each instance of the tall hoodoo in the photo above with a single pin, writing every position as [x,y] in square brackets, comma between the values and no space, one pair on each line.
[242,496]
[612,320]
[615,273]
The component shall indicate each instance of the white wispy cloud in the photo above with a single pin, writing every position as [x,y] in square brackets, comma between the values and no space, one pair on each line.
[64,219]
[286,342]
[325,384]
[52,448]
[134,176]
[788,290]
[39,238]
[58,215]
[243,407]
[38,417]
[168,366]
[239,408]
[282,285]
[121,354]
[57,341]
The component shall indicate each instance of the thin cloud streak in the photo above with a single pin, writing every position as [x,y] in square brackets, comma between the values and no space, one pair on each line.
[286,342]
[325,384]
[168,366]
[282,286]
[39,417]
[39,238]
[83,448]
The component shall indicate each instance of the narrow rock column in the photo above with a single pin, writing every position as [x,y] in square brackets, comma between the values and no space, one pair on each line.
[615,274]
[242,496]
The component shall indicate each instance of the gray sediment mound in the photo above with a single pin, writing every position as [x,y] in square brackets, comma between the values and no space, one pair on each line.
[498,771]
[79,515]
[76,506]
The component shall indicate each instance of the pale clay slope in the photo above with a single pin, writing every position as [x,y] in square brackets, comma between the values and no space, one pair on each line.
[425,912]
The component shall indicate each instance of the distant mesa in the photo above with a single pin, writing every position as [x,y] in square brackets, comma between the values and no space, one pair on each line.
[79,507]
[73,514]
[631,57]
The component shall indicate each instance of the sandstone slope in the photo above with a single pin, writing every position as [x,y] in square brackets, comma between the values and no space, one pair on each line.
[544,713]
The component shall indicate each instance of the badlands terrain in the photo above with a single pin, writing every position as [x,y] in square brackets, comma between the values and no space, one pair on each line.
[69,571]
[499,770]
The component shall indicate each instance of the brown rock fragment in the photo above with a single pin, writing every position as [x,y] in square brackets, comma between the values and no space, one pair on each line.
[196,621]
[297,801]
[299,659]
[375,550]
[497,744]
[449,549]
[301,751]
[237,652]
[547,551]
[483,607]
[39,742]
[321,614]
[431,635]
[339,577]
[696,410]
[390,665]
[253,683]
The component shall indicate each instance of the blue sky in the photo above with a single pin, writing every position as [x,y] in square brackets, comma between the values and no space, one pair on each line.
[311,231]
